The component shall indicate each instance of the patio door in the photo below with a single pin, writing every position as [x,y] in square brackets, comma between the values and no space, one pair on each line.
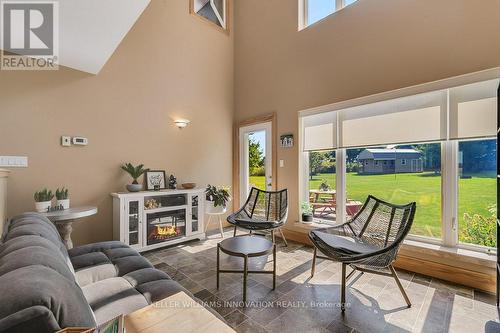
[255,158]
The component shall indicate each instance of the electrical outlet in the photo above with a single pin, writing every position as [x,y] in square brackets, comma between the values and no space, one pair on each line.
[65,141]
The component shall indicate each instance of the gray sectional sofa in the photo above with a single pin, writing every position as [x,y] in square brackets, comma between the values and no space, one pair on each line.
[44,287]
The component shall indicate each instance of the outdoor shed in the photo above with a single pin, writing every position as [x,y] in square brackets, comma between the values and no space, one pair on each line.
[384,161]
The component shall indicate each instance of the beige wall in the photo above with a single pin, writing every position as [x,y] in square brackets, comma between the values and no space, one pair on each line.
[372,46]
[171,64]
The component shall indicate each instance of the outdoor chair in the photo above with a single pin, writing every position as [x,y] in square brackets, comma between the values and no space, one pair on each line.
[369,242]
[263,211]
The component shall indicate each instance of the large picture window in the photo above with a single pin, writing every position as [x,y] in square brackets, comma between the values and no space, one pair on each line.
[322,185]
[436,149]
[399,175]
[477,192]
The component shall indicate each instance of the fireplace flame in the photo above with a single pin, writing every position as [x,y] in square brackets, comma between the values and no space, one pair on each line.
[166,231]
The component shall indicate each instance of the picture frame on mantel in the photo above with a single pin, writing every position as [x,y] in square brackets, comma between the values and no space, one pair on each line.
[213,12]
[155,180]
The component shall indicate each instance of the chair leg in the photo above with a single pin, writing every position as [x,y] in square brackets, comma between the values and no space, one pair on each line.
[342,290]
[272,237]
[407,299]
[313,268]
[234,232]
[283,236]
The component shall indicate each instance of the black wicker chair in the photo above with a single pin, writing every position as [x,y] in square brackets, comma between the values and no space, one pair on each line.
[369,242]
[263,211]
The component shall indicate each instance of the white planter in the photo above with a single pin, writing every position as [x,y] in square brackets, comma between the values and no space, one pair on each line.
[43,206]
[64,203]
[210,209]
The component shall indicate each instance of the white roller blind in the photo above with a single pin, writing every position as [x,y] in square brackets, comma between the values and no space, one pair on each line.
[473,110]
[404,120]
[320,132]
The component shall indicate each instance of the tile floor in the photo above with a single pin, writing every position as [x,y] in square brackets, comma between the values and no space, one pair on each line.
[301,304]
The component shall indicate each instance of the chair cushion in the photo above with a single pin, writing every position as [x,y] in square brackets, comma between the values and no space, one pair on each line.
[255,224]
[348,245]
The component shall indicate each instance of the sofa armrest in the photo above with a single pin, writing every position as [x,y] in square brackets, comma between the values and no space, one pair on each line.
[33,319]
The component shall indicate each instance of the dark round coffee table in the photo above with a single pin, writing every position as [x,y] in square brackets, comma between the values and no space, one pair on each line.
[246,247]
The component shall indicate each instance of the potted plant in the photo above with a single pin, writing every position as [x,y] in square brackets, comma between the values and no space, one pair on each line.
[217,199]
[43,200]
[135,172]
[62,196]
[307,212]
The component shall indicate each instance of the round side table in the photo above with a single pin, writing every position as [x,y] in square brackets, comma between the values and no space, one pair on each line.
[63,219]
[246,247]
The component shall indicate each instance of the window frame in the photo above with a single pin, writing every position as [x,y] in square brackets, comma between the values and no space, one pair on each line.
[304,12]
[449,160]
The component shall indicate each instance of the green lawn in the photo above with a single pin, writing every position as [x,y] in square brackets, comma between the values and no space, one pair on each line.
[475,194]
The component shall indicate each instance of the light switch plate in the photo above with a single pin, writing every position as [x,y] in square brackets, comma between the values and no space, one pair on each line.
[282,163]
[14,161]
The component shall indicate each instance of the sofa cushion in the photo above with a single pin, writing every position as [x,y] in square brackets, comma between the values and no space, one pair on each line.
[98,261]
[33,224]
[111,297]
[155,291]
[145,275]
[34,256]
[45,290]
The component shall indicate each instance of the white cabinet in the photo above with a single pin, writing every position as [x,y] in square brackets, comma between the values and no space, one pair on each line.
[149,220]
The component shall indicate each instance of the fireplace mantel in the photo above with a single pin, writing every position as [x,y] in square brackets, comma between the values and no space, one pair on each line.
[148,220]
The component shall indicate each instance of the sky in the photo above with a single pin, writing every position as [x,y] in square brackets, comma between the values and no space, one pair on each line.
[261,138]
[318,9]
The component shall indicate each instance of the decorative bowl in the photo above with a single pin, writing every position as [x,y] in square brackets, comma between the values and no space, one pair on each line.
[188,186]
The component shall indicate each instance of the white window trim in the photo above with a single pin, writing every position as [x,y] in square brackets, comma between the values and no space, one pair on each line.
[303,21]
[449,155]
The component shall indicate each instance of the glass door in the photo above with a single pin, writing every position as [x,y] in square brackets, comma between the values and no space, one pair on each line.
[256,157]
[195,210]
[133,223]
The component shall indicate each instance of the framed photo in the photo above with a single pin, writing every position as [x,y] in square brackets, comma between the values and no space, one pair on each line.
[286,141]
[215,12]
[155,180]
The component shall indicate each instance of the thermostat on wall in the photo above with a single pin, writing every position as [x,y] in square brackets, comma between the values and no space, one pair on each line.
[80,141]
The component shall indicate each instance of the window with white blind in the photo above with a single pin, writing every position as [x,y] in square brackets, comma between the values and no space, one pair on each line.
[436,148]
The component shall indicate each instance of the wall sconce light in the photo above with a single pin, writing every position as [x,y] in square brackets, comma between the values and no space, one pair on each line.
[181,123]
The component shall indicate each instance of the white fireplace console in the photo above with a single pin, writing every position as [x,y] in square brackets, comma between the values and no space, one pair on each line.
[148,220]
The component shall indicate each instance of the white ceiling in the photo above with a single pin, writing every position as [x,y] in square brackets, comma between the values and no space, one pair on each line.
[91,30]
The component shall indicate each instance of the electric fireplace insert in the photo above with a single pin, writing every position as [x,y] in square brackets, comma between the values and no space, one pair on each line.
[165,226]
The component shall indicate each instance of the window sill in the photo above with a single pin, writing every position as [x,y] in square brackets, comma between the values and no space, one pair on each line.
[465,255]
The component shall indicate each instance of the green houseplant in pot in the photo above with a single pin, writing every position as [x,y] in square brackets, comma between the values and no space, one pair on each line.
[62,196]
[135,172]
[307,212]
[43,200]
[217,199]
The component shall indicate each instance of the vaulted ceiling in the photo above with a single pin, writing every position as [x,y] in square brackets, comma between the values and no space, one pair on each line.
[91,30]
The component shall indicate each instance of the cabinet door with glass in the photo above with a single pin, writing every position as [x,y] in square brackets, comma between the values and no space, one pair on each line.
[195,212]
[133,222]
